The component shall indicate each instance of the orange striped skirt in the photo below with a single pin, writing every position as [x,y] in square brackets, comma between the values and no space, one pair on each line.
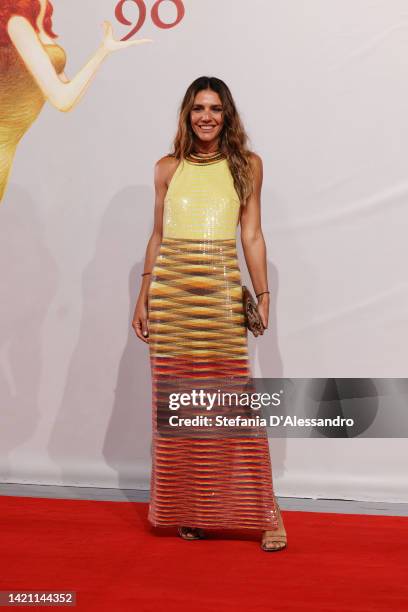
[197,330]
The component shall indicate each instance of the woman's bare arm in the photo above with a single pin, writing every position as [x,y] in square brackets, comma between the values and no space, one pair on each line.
[164,171]
[153,245]
[63,95]
[253,242]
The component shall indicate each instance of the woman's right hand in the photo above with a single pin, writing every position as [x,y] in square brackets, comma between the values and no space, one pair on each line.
[110,44]
[140,320]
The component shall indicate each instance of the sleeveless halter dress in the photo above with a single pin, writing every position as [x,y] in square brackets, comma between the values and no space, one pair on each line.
[197,329]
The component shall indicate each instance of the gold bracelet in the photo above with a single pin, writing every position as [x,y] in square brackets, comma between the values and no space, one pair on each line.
[144,273]
[258,294]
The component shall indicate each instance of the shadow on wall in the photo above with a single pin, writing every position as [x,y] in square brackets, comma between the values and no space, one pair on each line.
[29,279]
[102,423]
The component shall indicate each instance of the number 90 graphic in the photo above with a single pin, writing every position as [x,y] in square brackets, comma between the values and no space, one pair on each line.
[141,5]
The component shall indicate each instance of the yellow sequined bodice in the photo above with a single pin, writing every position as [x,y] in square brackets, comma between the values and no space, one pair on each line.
[21,101]
[201,202]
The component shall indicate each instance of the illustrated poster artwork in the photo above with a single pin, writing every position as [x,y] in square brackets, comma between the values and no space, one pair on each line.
[32,65]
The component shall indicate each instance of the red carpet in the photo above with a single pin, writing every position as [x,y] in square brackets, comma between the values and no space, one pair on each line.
[107,552]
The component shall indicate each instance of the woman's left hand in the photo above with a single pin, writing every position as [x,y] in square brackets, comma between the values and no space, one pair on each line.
[263,309]
[110,44]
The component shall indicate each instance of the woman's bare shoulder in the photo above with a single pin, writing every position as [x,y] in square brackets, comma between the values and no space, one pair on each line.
[255,159]
[168,162]
[166,167]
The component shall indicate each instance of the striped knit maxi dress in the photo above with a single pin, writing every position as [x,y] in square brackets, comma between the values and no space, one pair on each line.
[197,329]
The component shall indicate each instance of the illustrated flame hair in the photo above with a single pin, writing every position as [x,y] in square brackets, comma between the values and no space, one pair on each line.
[30,9]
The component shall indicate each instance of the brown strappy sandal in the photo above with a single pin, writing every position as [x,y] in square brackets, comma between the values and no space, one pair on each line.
[191,533]
[276,540]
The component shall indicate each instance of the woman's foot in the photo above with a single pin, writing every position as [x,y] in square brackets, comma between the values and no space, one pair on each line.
[191,533]
[275,539]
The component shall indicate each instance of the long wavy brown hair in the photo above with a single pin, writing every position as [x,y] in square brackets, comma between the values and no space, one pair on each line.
[233,138]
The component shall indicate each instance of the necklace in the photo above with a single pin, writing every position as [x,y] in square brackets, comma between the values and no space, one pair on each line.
[196,158]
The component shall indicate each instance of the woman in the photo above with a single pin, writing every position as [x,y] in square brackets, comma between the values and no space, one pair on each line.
[190,312]
[32,71]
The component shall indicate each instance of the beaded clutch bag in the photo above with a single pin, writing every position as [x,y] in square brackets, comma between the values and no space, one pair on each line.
[253,319]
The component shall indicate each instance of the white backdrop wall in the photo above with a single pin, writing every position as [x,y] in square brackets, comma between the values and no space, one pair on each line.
[323,92]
